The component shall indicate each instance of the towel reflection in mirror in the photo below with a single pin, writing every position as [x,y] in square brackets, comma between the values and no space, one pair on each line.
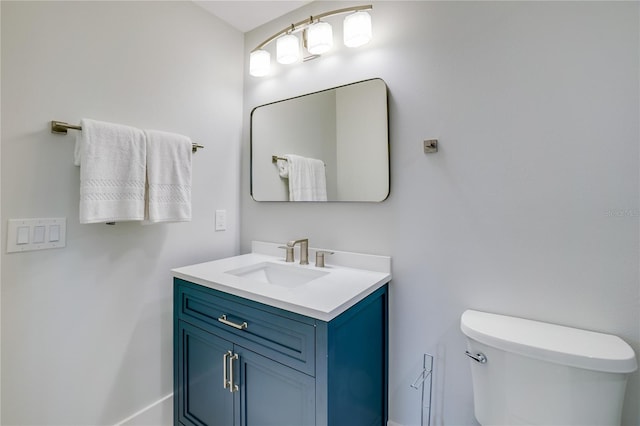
[307,180]
[283,168]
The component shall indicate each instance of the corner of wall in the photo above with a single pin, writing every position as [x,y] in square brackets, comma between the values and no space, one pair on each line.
[1,233]
[159,413]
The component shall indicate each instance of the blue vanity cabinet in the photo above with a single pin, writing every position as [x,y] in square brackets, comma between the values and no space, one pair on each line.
[242,363]
[202,399]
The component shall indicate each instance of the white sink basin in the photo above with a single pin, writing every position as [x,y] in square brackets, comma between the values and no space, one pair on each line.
[278,274]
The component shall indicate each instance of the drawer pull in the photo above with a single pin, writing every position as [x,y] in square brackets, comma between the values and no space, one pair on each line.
[223,319]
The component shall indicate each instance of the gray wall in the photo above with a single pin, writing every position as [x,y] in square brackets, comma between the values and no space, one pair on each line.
[86,330]
[531,206]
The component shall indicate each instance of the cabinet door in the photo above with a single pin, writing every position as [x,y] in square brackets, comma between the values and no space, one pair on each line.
[202,398]
[272,394]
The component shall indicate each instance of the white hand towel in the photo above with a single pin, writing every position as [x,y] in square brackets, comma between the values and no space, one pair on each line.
[283,168]
[168,177]
[112,172]
[307,180]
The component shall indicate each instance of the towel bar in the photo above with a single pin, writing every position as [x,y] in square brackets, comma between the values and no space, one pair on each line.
[275,158]
[60,128]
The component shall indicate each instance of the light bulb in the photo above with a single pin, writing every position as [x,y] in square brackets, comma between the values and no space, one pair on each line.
[357,29]
[287,49]
[319,38]
[259,63]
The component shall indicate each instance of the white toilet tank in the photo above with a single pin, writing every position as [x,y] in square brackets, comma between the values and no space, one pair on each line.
[533,373]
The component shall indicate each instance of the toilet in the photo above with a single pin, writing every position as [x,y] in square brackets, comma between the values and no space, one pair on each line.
[527,372]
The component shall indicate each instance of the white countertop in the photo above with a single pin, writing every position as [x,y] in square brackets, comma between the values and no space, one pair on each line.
[323,298]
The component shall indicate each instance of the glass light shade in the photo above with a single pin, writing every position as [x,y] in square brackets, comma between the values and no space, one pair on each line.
[259,63]
[319,38]
[357,29]
[287,49]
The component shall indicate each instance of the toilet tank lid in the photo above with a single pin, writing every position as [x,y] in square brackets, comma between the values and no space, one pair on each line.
[550,342]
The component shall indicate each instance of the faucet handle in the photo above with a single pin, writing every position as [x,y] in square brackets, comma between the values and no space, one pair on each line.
[320,257]
[289,250]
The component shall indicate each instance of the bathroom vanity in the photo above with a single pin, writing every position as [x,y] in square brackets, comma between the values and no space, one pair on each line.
[259,341]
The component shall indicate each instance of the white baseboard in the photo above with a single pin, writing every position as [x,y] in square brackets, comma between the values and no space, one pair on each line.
[392,423]
[159,413]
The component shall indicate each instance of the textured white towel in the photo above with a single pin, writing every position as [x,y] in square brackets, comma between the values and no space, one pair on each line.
[283,168]
[168,177]
[112,172]
[307,180]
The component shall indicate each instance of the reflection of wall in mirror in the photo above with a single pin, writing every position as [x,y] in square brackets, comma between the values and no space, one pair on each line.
[345,127]
[285,128]
[362,153]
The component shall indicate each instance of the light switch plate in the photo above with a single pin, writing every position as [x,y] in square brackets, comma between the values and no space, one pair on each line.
[221,220]
[36,234]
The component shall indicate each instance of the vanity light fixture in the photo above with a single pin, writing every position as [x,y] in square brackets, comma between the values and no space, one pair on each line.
[287,49]
[259,63]
[317,38]
[357,29]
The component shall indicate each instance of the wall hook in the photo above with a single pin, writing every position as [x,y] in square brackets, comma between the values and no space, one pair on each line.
[430,146]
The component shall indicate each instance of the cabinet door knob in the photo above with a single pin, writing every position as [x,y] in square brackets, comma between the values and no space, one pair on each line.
[223,319]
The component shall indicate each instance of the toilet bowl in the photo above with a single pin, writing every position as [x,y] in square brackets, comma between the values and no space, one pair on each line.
[527,372]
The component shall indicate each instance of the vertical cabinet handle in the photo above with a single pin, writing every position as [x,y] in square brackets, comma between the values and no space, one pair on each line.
[228,357]
[232,387]
[225,382]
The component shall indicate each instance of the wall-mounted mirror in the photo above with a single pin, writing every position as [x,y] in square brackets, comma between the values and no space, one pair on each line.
[336,141]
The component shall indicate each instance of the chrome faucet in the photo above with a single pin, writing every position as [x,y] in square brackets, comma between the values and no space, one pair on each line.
[304,249]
